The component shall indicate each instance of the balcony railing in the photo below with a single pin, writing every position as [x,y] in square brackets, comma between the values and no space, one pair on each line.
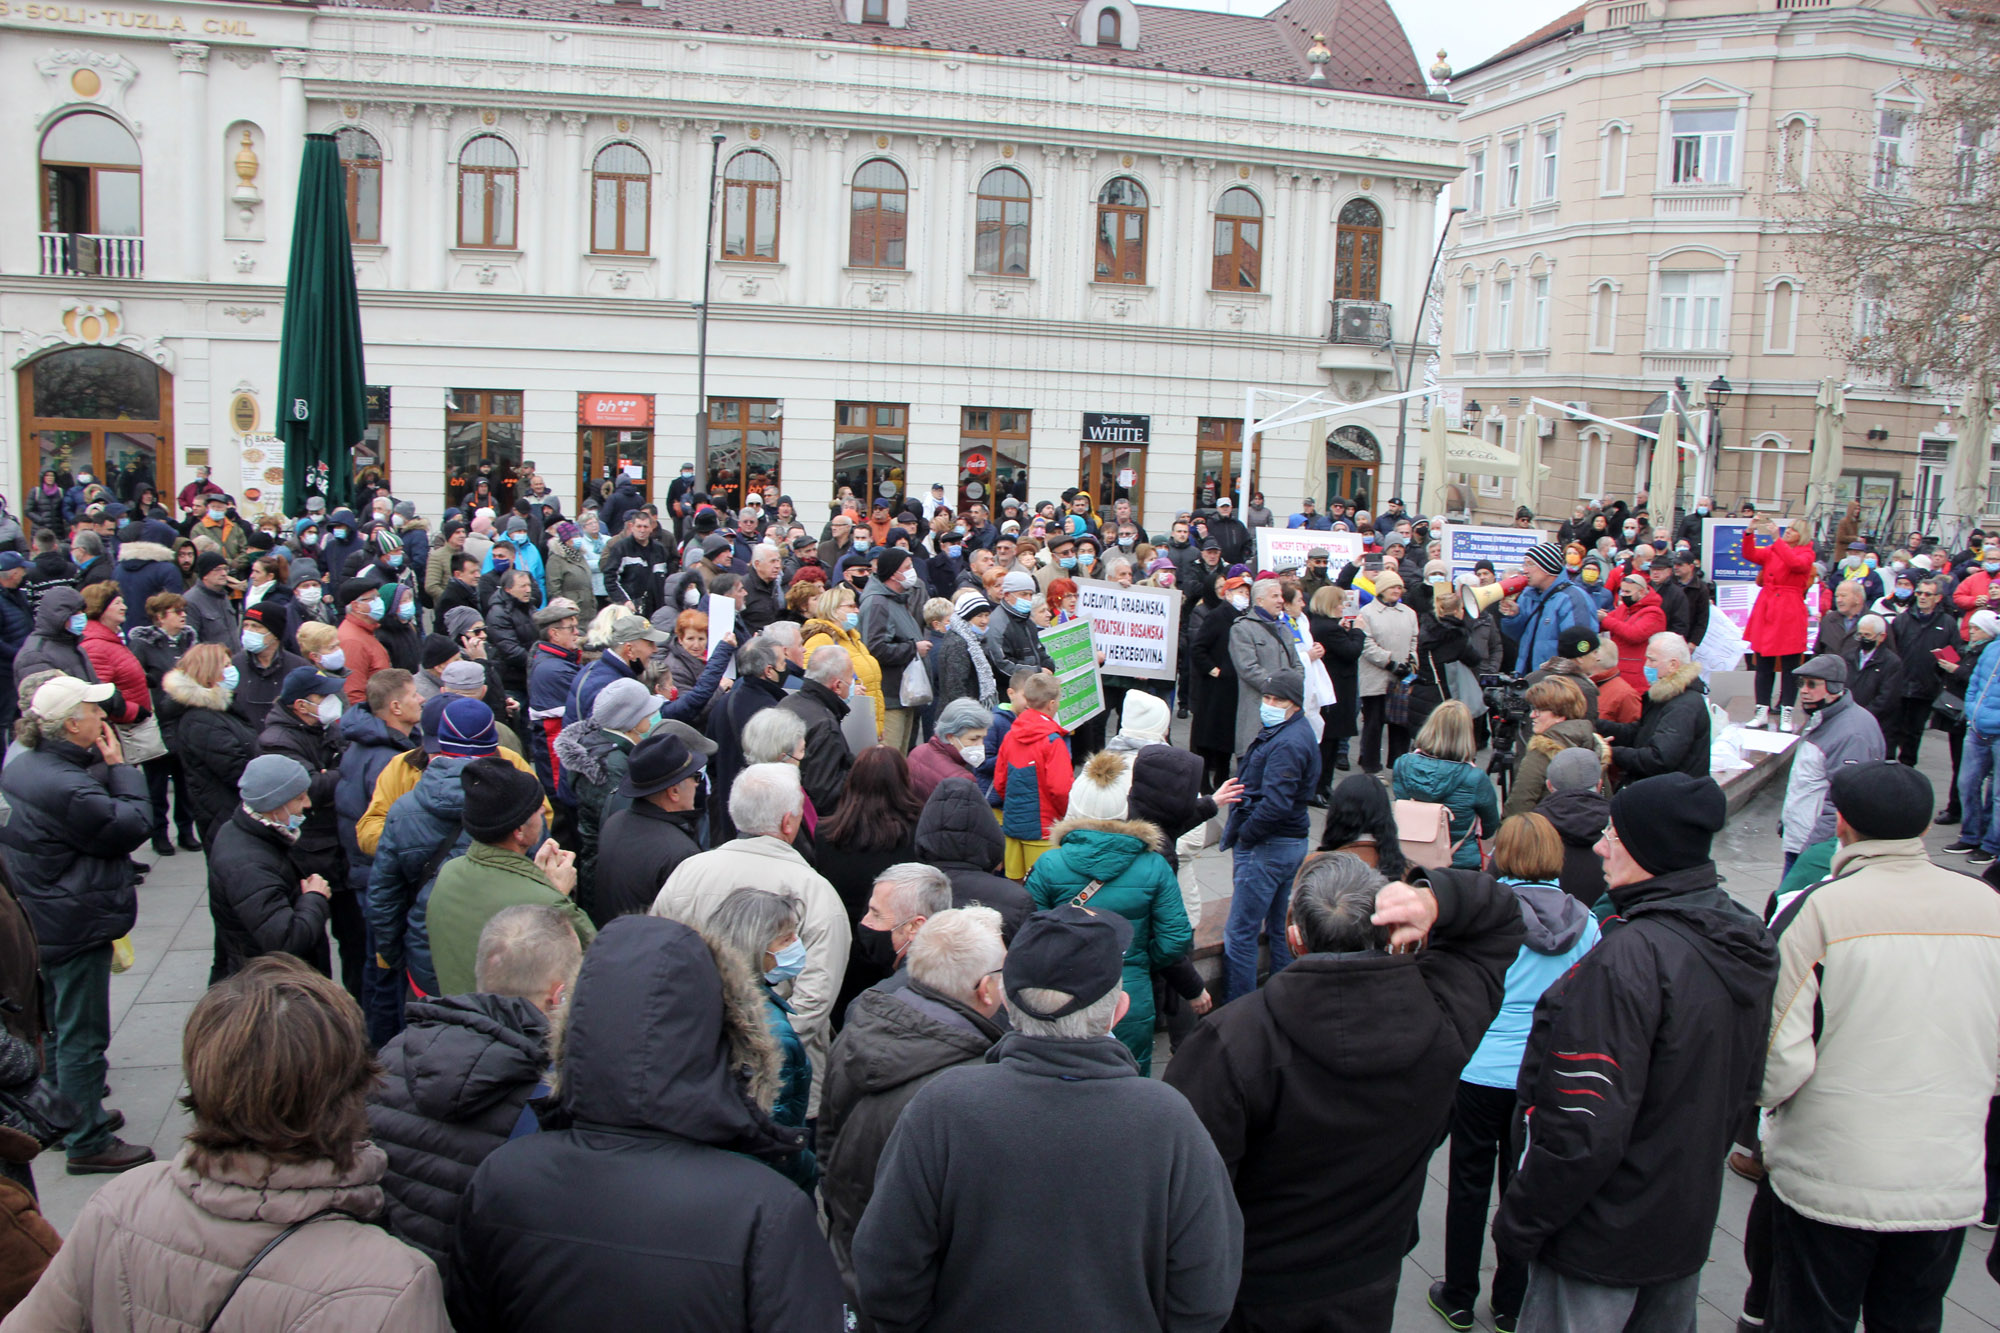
[69,254]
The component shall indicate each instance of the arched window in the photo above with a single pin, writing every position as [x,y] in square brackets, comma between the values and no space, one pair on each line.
[488,193]
[1357,253]
[361,163]
[878,219]
[1000,229]
[90,187]
[1108,27]
[1781,317]
[750,208]
[1121,231]
[100,408]
[620,203]
[1239,242]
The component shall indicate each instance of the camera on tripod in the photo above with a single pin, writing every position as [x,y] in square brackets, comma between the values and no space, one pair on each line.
[1507,711]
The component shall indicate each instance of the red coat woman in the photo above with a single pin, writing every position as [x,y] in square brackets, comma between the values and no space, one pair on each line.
[1631,624]
[1777,625]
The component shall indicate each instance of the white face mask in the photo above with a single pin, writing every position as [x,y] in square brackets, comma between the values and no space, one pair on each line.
[973,755]
[329,709]
[1241,601]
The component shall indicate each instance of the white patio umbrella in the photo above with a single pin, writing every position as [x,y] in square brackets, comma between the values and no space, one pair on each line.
[1974,454]
[1828,449]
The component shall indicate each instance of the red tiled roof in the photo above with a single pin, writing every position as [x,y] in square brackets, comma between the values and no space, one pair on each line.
[1548,32]
[1371,53]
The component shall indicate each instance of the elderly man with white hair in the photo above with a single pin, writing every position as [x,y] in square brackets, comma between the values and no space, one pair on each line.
[1875,669]
[894,1043]
[1672,733]
[764,605]
[766,804]
[792,642]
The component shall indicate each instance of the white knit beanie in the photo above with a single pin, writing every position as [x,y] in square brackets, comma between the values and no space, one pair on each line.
[1101,789]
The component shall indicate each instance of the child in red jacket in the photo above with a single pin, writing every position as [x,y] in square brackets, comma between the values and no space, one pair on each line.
[1032,776]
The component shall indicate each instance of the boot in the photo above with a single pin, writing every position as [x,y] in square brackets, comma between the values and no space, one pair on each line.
[1760,718]
[189,842]
[162,846]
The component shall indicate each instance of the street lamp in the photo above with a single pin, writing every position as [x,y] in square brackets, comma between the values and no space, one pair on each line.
[1469,417]
[1718,393]
[1410,370]
[701,326]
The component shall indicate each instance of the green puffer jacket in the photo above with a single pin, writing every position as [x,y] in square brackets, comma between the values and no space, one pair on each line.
[1139,885]
[1462,789]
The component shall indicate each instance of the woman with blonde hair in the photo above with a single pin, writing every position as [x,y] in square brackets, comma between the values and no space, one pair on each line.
[1439,769]
[212,739]
[1776,630]
[837,620]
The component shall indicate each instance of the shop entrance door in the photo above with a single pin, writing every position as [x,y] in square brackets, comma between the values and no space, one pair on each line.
[1114,472]
[105,409]
[614,430]
[482,427]
[1353,457]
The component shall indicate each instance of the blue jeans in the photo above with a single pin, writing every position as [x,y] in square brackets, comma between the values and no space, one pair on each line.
[1262,885]
[80,1013]
[1973,771]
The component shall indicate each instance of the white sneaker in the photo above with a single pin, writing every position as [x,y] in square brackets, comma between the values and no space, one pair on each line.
[1760,718]
[1785,719]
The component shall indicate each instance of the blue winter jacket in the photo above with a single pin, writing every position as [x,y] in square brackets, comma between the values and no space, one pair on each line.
[1561,930]
[1982,695]
[1536,628]
[528,558]
[369,746]
[421,823]
[610,666]
[1279,773]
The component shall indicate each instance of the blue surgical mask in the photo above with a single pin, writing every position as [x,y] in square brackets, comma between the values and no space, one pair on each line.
[230,676]
[1270,714]
[954,551]
[1652,674]
[340,534]
[1067,562]
[76,623]
[861,546]
[394,560]
[255,641]
[851,619]
[1024,604]
[295,821]
[408,610]
[791,961]
[1990,566]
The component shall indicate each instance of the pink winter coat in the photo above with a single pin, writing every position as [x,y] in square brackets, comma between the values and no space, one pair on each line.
[158,1247]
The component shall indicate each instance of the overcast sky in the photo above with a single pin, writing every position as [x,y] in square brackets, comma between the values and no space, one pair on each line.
[1468,29]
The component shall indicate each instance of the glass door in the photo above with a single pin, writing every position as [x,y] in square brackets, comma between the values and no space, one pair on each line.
[482,426]
[103,409]
[602,450]
[992,455]
[1114,472]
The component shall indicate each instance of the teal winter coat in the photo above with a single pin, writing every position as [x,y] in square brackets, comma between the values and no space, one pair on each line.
[1139,885]
[1460,788]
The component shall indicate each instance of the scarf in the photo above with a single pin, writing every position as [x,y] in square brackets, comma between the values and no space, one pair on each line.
[988,695]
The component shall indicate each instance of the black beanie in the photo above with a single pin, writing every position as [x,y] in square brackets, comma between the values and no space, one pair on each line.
[1883,799]
[1667,822]
[499,798]
[437,651]
[890,562]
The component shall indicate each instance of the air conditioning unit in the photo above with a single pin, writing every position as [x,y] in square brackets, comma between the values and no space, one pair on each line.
[1548,427]
[1575,410]
[1362,322]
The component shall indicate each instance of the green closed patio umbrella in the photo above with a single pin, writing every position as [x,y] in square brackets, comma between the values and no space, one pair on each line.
[320,377]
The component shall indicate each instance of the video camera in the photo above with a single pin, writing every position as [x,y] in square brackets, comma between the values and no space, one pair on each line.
[1506,697]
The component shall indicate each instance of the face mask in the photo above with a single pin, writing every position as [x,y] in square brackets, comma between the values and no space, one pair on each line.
[394,560]
[1990,566]
[1867,642]
[973,755]
[340,534]
[295,822]
[1270,714]
[333,661]
[1023,605]
[791,961]
[310,539]
[1436,580]
[1241,601]
[1589,575]
[1899,564]
[1871,562]
[1702,510]
[502,562]
[861,546]
[875,947]
[230,676]
[310,596]
[1903,594]
[1067,562]
[851,619]
[1652,674]
[1126,541]
[954,551]
[76,623]
[217,514]
[408,610]
[976,631]
[255,641]
[1813,705]
[329,710]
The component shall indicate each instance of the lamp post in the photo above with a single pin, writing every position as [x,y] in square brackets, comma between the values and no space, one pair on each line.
[701,318]
[1410,369]
[1719,390]
[1468,418]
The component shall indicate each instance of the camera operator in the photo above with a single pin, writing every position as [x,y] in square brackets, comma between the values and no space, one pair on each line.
[1575,660]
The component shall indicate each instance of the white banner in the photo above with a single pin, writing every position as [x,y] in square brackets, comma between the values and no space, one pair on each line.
[1137,629]
[1465,545]
[1284,549]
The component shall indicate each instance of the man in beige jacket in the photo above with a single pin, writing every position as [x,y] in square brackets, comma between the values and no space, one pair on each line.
[766,804]
[1885,1037]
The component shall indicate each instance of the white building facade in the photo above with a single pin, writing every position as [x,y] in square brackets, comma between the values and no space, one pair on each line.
[931,263]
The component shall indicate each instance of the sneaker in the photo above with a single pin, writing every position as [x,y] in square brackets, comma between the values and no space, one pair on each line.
[1455,1316]
[1785,719]
[1760,718]
[1504,1323]
[1749,1323]
[117,1156]
[1961,847]
[1982,857]
[1985,1224]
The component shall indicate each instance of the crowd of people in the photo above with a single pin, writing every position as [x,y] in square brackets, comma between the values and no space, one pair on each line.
[680,916]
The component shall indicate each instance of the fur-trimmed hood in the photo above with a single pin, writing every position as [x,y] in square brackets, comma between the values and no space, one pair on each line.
[1675,683]
[581,746]
[1149,835]
[183,689]
[142,553]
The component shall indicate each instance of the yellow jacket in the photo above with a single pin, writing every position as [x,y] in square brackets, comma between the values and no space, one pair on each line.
[866,669]
[397,780]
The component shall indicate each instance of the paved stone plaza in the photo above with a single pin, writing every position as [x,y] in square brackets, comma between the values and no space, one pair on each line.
[150,1002]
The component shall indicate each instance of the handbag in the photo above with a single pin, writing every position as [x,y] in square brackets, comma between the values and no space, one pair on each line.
[141,741]
[1947,711]
[37,1109]
[1424,830]
[1396,703]
[916,688]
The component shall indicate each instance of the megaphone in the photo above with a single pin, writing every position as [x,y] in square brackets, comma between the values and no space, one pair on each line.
[1483,597]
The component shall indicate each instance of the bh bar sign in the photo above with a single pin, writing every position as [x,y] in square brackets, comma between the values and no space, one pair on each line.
[1116,428]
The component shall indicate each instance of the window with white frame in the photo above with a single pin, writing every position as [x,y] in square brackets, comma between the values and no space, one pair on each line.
[1510,174]
[1794,151]
[1593,453]
[1548,144]
[1968,159]
[1468,317]
[1993,478]
[1871,310]
[1604,318]
[1503,315]
[1495,433]
[1613,161]
[1538,311]
[1781,318]
[1703,148]
[1767,470]
[1893,125]
[1689,315]
[1475,182]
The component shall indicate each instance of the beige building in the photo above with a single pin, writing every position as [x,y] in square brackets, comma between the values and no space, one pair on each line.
[1627,173]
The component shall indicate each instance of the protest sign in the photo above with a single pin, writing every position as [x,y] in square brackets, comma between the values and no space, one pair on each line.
[1138,628]
[1282,549]
[1465,545]
[1075,656]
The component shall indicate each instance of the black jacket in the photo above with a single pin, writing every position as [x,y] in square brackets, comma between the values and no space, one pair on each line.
[257,687]
[894,1043]
[1166,791]
[1213,698]
[1914,637]
[1580,818]
[317,747]
[1663,1024]
[750,696]
[824,769]
[213,743]
[453,1085]
[636,850]
[1674,605]
[957,834]
[255,899]
[1696,594]
[1878,686]
[1338,1051]
[764,606]
[1672,733]
[69,841]
[642,1203]
[510,637]
[1013,643]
